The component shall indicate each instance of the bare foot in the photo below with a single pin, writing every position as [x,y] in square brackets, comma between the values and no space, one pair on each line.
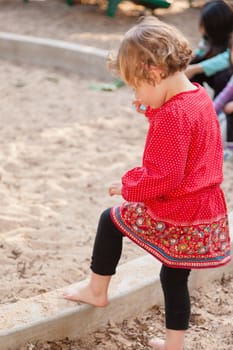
[157,344]
[85,295]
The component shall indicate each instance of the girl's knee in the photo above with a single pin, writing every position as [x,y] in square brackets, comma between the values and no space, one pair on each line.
[106,225]
[105,221]
[105,216]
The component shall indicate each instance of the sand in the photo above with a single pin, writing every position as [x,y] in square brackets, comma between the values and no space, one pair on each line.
[61,145]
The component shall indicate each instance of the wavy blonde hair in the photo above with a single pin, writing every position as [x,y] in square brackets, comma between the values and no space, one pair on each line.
[150,43]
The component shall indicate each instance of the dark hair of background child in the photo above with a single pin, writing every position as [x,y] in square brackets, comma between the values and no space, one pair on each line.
[217,21]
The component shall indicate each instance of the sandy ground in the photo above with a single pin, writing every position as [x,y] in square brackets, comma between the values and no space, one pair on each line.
[61,145]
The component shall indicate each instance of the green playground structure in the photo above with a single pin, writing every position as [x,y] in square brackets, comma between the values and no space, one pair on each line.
[152,4]
[112,4]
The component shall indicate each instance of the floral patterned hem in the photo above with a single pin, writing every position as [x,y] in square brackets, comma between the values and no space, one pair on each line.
[180,246]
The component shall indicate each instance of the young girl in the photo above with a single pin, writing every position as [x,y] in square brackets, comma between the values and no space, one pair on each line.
[174,207]
[216,25]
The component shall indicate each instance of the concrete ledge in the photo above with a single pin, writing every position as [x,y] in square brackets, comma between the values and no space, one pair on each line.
[49,316]
[84,60]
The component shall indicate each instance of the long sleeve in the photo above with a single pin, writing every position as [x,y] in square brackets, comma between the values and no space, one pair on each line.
[225,96]
[164,159]
[216,64]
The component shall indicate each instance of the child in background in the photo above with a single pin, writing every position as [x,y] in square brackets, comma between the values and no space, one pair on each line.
[174,207]
[224,103]
[216,25]
[210,66]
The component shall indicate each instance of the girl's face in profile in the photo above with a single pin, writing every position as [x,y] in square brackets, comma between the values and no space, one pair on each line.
[149,95]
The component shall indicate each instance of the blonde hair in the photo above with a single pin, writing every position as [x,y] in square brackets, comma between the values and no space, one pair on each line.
[150,43]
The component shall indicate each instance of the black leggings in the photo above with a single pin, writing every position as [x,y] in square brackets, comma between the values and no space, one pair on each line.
[106,255]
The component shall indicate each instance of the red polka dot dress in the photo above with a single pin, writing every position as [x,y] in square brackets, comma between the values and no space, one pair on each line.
[174,207]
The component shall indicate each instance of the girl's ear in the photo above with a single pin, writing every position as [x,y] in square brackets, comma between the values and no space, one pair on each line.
[156,74]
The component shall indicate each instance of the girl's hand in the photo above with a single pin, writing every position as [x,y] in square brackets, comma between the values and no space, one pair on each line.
[140,108]
[193,69]
[228,109]
[114,189]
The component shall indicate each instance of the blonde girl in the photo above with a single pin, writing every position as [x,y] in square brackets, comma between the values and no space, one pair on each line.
[173,206]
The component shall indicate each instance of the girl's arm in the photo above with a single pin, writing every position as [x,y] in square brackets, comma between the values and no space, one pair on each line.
[210,66]
[193,69]
[224,97]
[164,159]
